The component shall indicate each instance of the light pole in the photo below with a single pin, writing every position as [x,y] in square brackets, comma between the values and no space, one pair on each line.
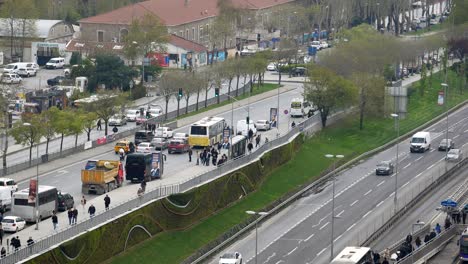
[256,229]
[397,120]
[447,121]
[330,156]
[420,224]
[232,119]
[37,176]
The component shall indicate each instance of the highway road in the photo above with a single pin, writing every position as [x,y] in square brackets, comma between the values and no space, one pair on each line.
[301,232]
[177,168]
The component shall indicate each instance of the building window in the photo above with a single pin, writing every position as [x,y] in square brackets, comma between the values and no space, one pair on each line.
[66,29]
[181,34]
[187,34]
[193,33]
[200,34]
[100,36]
[123,34]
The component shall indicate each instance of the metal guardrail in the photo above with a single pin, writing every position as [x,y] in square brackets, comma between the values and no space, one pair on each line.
[171,116]
[87,224]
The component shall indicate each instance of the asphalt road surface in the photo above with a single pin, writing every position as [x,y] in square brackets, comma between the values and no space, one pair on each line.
[301,232]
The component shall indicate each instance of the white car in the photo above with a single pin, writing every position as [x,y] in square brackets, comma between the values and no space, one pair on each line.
[271,66]
[13,223]
[11,78]
[180,135]
[263,125]
[132,115]
[164,132]
[117,120]
[324,45]
[316,44]
[8,182]
[26,72]
[454,155]
[145,147]
[231,258]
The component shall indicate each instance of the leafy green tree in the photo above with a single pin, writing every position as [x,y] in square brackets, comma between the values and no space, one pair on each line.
[423,80]
[370,96]
[188,89]
[75,124]
[28,134]
[49,129]
[113,73]
[199,82]
[89,122]
[75,58]
[109,104]
[61,124]
[328,91]
[168,87]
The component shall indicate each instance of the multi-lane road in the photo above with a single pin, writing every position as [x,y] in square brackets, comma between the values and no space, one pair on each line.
[301,232]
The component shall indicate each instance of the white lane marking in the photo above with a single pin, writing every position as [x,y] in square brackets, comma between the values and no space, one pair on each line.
[419,158]
[409,164]
[432,150]
[281,261]
[456,136]
[418,175]
[349,228]
[324,226]
[391,195]
[270,257]
[338,215]
[321,251]
[430,167]
[337,238]
[466,131]
[405,184]
[290,252]
[364,216]
[382,182]
[379,204]
[354,203]
[369,191]
[309,237]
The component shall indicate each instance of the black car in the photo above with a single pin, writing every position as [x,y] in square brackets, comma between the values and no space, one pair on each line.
[384,168]
[55,81]
[443,146]
[298,71]
[65,201]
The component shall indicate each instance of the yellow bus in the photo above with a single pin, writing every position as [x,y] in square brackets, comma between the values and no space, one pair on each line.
[206,132]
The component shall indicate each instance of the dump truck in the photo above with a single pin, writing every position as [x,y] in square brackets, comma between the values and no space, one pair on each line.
[101,176]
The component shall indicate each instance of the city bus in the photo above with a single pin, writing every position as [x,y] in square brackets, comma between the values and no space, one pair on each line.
[47,203]
[464,245]
[354,255]
[206,132]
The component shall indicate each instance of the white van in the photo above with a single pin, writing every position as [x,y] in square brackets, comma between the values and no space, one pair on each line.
[5,198]
[55,63]
[243,127]
[299,107]
[420,142]
[10,183]
[14,67]
[155,112]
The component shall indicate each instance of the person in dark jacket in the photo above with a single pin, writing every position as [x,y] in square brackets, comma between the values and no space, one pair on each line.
[75,216]
[257,141]
[418,242]
[385,261]
[91,211]
[107,202]
[250,134]
[3,252]
[30,241]
[250,147]
[54,220]
[447,223]
[2,233]
[70,216]
[427,238]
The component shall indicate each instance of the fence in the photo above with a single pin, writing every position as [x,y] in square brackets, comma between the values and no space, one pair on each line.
[44,244]
[79,148]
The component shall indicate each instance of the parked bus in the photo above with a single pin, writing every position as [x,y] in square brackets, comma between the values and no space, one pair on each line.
[299,107]
[354,255]
[206,132]
[464,245]
[238,148]
[47,203]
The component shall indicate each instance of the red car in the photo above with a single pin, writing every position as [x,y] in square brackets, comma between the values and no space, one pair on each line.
[178,145]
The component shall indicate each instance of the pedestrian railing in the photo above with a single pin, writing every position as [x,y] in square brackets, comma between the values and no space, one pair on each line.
[116,210]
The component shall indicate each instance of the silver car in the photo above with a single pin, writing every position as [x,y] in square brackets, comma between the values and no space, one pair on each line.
[263,125]
[117,120]
[160,143]
[454,155]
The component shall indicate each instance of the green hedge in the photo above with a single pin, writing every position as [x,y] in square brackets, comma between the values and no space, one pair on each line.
[177,212]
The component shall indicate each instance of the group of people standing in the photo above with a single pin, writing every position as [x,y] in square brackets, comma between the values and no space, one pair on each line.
[204,157]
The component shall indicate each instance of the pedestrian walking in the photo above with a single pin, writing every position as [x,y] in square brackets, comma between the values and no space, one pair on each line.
[250,134]
[190,155]
[99,125]
[459,217]
[140,192]
[447,223]
[30,241]
[438,228]
[250,147]
[107,202]
[17,243]
[198,158]
[83,202]
[418,242]
[409,238]
[385,261]
[54,220]
[91,211]
[70,216]
[257,141]
[464,217]
[13,243]
[2,233]
[75,216]
[293,125]
[207,159]
[143,185]
[3,252]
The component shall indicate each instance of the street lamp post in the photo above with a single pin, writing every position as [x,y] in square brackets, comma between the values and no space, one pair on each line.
[447,121]
[256,230]
[37,177]
[420,224]
[397,120]
[330,156]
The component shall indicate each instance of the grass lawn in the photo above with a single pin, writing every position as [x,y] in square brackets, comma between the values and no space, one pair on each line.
[256,90]
[344,138]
